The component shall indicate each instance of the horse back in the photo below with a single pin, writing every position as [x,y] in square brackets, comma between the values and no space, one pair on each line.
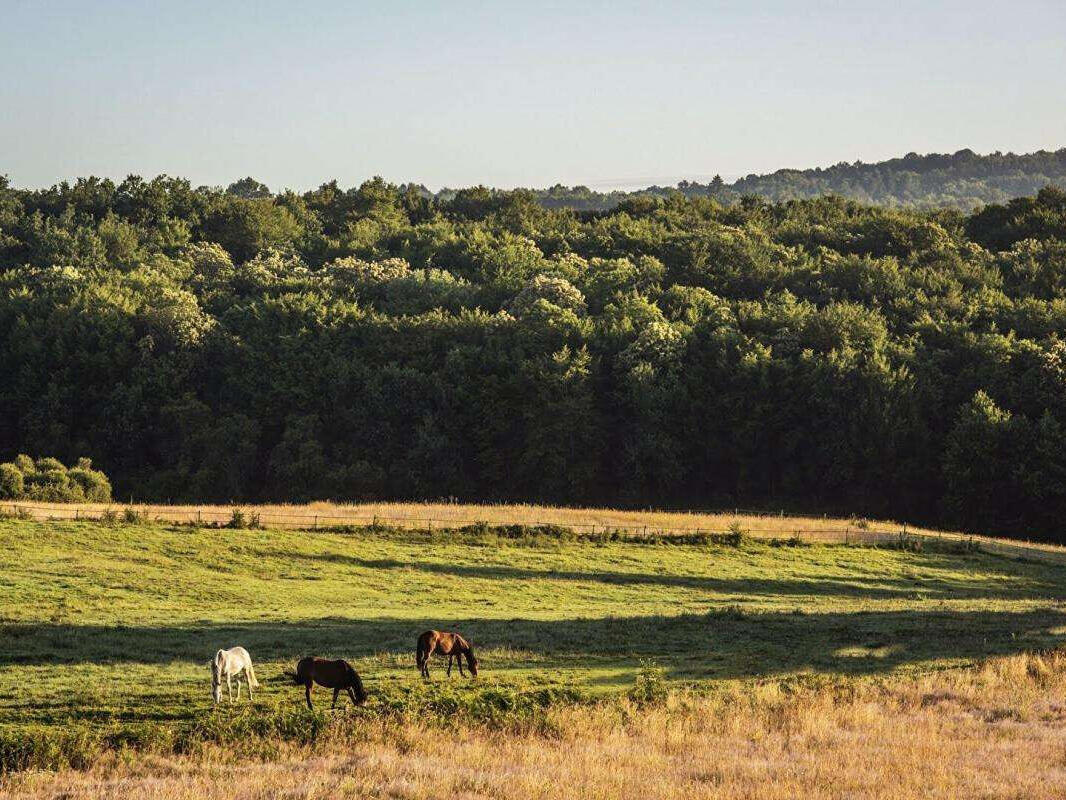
[450,643]
[337,674]
[427,640]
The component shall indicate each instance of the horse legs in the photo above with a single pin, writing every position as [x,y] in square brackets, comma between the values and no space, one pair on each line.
[248,680]
[425,661]
[238,688]
[229,687]
[459,661]
[450,657]
[335,693]
[307,695]
[351,694]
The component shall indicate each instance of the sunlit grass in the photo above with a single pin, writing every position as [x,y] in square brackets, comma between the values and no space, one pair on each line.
[994,731]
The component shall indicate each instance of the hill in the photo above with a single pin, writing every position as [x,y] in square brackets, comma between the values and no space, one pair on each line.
[962,180]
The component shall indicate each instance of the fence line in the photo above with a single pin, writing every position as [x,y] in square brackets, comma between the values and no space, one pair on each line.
[60,511]
[850,534]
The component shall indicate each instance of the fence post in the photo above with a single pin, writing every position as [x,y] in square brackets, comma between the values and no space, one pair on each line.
[846,531]
[76,514]
[315,523]
[198,519]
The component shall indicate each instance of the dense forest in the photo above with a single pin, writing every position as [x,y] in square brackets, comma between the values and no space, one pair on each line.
[962,180]
[209,344]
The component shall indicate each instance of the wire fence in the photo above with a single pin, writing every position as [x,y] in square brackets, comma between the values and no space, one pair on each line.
[858,534]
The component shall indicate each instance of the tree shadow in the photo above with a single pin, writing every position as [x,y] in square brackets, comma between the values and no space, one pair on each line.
[1010,585]
[720,644]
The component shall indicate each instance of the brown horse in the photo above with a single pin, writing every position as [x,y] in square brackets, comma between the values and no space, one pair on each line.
[447,644]
[335,675]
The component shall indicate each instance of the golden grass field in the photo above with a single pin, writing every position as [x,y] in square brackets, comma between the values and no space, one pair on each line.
[582,520]
[458,514]
[994,731]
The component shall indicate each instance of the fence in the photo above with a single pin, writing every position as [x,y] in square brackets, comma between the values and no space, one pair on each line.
[848,534]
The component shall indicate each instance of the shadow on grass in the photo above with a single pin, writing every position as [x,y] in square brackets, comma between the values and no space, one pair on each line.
[714,645]
[1008,584]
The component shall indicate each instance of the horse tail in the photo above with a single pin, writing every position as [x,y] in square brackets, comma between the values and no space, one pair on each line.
[252,680]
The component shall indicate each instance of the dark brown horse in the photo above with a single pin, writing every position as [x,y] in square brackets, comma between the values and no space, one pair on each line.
[447,644]
[335,675]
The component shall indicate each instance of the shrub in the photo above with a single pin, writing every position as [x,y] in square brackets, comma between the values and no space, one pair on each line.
[733,537]
[910,543]
[94,484]
[47,479]
[52,484]
[650,686]
[12,484]
[50,465]
[236,519]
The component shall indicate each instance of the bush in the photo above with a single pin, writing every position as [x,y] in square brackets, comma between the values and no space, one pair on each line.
[94,484]
[52,484]
[733,537]
[48,480]
[236,519]
[50,465]
[650,686]
[12,484]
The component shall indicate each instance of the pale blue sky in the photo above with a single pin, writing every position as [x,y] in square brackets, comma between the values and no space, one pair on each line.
[532,93]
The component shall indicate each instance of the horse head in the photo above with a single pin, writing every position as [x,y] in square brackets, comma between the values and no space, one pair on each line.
[216,680]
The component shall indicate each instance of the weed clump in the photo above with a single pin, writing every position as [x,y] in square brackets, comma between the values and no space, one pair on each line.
[650,687]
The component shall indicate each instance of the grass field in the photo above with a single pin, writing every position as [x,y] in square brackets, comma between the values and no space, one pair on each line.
[417,515]
[109,628]
[994,732]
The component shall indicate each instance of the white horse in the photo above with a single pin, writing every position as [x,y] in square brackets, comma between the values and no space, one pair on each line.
[229,664]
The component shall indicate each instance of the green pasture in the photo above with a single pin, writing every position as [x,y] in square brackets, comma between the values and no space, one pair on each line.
[113,626]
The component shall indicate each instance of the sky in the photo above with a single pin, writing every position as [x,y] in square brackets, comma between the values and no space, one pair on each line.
[611,94]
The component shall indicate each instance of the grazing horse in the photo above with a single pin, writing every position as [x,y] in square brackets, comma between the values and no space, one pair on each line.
[229,664]
[335,675]
[447,644]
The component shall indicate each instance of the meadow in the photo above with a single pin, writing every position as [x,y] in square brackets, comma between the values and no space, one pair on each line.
[106,630]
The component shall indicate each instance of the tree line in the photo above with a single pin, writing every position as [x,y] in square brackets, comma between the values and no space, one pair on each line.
[963,180]
[376,343]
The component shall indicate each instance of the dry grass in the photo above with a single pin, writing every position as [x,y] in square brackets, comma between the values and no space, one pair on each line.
[454,515]
[582,520]
[995,731]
